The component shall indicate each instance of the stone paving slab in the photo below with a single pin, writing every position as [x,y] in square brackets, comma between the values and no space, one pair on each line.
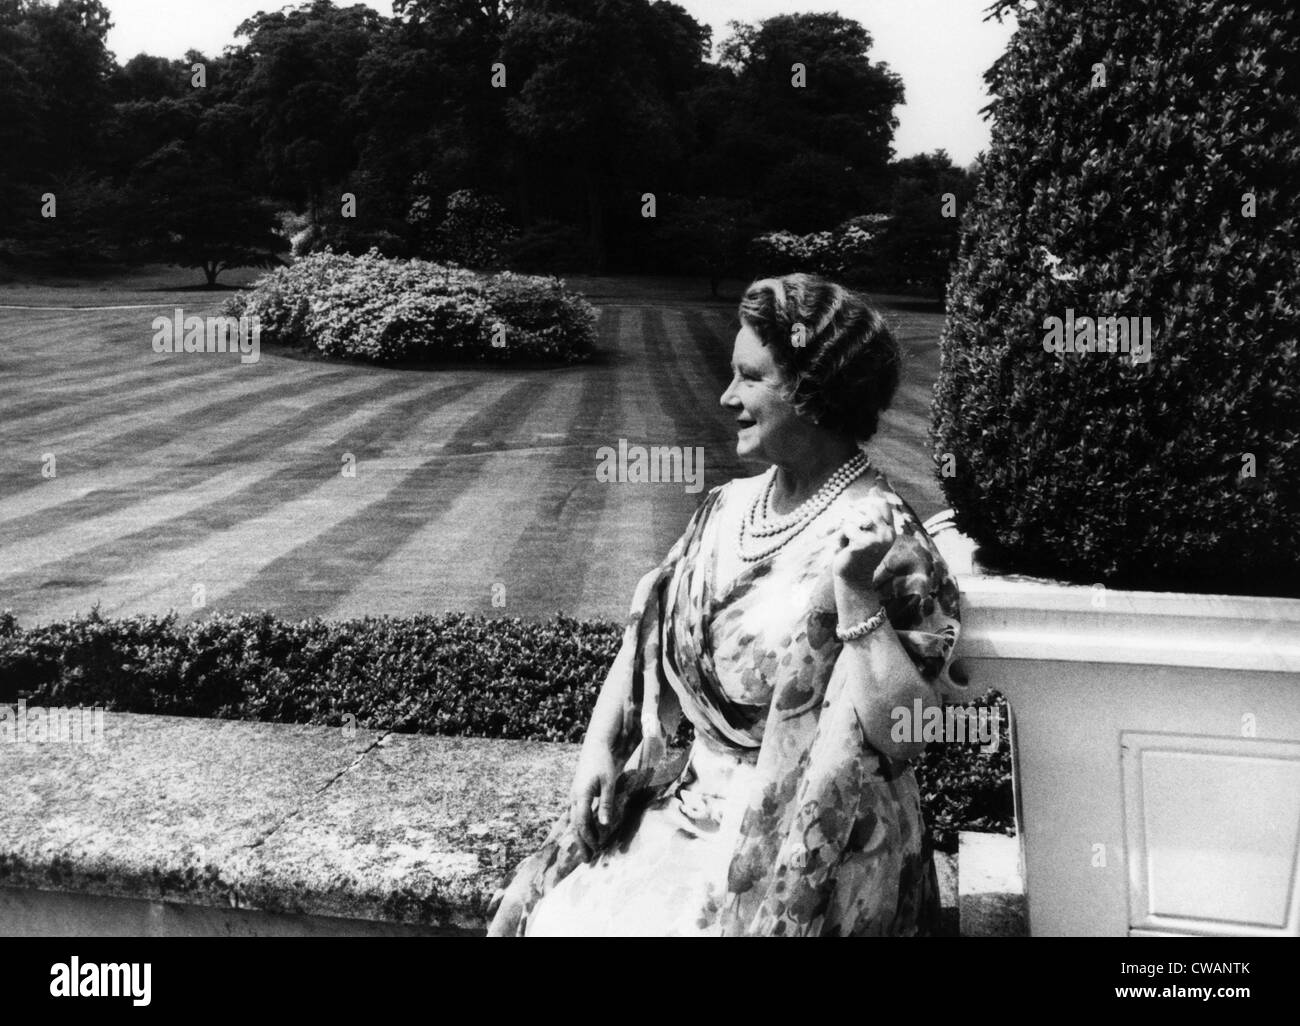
[160,807]
[300,820]
[421,830]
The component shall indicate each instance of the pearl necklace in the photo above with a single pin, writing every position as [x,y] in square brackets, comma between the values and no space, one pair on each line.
[763,525]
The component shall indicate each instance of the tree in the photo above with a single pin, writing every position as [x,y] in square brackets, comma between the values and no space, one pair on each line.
[147,78]
[927,197]
[1144,162]
[473,230]
[706,235]
[599,99]
[188,217]
[54,101]
[298,76]
[811,121]
[433,122]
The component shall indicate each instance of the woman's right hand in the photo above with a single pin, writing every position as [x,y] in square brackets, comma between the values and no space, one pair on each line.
[594,781]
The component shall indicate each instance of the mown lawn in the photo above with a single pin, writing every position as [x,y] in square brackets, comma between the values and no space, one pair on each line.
[194,482]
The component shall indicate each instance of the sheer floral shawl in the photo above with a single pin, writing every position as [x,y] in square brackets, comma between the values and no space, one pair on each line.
[815,819]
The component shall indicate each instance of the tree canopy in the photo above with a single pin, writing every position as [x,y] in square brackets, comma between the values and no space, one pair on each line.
[568,113]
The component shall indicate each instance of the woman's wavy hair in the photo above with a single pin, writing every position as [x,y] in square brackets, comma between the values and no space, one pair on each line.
[838,356]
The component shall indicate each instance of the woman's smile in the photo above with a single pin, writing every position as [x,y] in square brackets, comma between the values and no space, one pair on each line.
[768,428]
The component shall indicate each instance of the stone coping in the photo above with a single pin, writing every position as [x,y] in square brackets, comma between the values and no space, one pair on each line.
[319,826]
[1016,617]
[306,820]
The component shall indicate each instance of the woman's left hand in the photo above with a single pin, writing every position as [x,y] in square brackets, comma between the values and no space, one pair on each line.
[864,542]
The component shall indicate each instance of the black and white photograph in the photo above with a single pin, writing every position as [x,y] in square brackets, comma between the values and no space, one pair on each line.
[649,469]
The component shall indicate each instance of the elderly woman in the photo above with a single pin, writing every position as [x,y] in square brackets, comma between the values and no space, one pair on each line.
[800,609]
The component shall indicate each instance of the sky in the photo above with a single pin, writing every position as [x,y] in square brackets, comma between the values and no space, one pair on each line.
[940,48]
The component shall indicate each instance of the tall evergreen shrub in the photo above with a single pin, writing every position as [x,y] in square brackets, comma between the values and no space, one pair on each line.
[1145,162]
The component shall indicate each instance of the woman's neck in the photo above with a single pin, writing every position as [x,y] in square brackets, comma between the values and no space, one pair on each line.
[797,482]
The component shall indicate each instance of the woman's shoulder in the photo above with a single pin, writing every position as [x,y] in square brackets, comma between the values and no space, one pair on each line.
[872,494]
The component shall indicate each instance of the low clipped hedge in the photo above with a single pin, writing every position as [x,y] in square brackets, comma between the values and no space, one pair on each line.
[394,311]
[451,674]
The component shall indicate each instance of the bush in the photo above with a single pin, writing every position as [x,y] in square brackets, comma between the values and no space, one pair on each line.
[342,236]
[964,788]
[473,230]
[850,247]
[1162,189]
[452,674]
[387,311]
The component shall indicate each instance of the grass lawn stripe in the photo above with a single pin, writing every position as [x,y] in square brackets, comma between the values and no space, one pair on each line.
[312,576]
[166,519]
[164,374]
[155,568]
[87,347]
[714,338]
[144,431]
[119,374]
[118,399]
[87,389]
[285,425]
[541,571]
[687,421]
[623,544]
[122,471]
[454,559]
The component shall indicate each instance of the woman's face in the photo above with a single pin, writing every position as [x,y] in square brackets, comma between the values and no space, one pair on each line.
[769,428]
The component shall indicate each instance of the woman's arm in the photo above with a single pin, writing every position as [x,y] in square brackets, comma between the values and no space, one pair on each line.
[606,744]
[615,725]
[597,770]
[607,717]
[878,657]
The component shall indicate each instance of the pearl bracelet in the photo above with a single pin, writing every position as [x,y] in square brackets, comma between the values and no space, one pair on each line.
[862,629]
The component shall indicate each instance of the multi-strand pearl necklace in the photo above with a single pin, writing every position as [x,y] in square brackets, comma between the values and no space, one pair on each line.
[759,523]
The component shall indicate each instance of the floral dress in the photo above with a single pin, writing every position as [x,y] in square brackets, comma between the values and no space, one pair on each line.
[781,819]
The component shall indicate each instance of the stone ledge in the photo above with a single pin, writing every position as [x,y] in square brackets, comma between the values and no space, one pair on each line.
[314,821]
[172,825]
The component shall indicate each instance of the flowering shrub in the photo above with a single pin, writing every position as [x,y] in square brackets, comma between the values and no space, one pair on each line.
[473,230]
[833,253]
[452,674]
[386,311]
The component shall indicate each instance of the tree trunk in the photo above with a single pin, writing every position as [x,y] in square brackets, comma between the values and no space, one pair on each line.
[210,269]
[595,221]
